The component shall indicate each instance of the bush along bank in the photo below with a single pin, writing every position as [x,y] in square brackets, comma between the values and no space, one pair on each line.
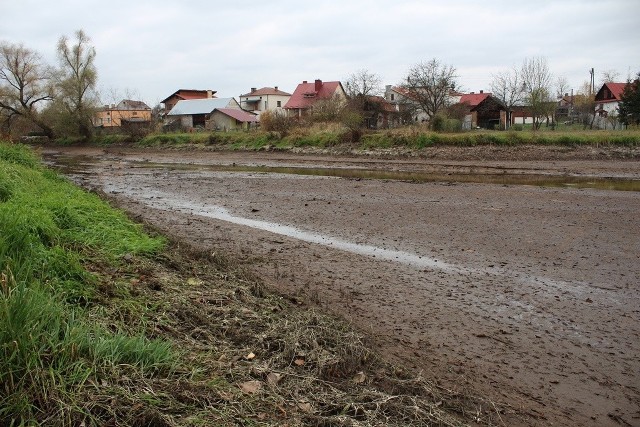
[102,324]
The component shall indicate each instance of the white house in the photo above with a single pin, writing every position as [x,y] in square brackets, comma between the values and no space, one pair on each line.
[607,100]
[264,99]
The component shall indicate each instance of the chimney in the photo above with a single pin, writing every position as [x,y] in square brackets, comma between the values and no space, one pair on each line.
[253,89]
[209,94]
[473,93]
[276,88]
[481,91]
[304,82]
[318,85]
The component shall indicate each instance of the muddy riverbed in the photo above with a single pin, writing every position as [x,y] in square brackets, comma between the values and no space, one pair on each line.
[524,292]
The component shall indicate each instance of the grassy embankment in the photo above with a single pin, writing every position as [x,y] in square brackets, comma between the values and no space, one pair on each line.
[332,135]
[52,352]
[102,324]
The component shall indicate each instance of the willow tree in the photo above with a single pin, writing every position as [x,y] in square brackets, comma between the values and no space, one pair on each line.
[25,87]
[77,78]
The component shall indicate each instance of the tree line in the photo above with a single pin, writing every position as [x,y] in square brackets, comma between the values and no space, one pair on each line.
[61,100]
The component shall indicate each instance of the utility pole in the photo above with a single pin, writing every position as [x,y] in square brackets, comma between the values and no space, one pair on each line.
[593,82]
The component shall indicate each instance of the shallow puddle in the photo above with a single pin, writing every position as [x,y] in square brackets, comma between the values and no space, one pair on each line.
[218,212]
[82,165]
[504,178]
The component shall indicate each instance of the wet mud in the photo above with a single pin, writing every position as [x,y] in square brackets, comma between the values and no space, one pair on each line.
[526,294]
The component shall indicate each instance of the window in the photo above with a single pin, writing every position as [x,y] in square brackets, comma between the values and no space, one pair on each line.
[393,96]
[279,104]
[135,113]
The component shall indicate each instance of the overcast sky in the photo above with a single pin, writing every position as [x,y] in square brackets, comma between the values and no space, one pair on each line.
[149,49]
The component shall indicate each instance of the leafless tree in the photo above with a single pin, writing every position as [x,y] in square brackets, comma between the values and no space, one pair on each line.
[363,83]
[362,109]
[536,79]
[507,87]
[562,86]
[429,85]
[77,80]
[608,76]
[25,86]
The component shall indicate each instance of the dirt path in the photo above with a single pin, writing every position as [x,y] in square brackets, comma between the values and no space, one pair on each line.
[528,295]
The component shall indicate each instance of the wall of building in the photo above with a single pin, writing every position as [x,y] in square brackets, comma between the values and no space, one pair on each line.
[222,122]
[113,118]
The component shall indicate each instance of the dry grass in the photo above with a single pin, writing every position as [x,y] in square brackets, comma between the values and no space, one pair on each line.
[255,358]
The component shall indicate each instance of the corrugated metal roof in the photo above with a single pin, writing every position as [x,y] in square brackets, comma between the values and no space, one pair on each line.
[239,115]
[187,107]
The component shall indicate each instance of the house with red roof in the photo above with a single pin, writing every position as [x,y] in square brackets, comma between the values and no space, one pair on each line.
[184,94]
[484,111]
[308,94]
[607,100]
[225,119]
[264,99]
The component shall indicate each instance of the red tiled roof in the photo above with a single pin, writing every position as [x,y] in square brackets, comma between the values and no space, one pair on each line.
[615,89]
[306,95]
[190,94]
[267,91]
[473,99]
[240,115]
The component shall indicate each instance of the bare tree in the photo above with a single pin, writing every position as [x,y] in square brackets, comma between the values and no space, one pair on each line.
[507,88]
[363,83]
[536,79]
[77,81]
[608,76]
[562,86]
[429,85]
[362,109]
[25,86]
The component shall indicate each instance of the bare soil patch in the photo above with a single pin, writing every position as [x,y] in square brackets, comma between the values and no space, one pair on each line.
[530,297]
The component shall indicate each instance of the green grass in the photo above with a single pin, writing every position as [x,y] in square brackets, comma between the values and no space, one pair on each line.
[408,137]
[49,350]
